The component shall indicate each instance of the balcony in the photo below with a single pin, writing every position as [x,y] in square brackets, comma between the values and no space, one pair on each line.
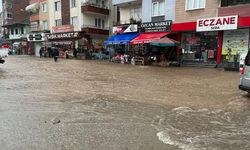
[17,36]
[122,3]
[127,22]
[34,17]
[240,10]
[90,29]
[93,8]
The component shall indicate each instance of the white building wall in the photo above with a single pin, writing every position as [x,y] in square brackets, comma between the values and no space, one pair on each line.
[53,15]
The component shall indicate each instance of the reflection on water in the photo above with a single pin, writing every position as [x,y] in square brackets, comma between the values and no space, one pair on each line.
[204,129]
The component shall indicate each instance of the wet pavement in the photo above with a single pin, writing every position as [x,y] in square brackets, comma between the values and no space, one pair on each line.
[97,105]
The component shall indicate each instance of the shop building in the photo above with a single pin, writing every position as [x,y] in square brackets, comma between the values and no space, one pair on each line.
[15,24]
[205,27]
[39,25]
[90,19]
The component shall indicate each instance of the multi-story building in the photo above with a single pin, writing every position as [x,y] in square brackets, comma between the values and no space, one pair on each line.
[16,23]
[39,24]
[129,11]
[151,18]
[80,23]
[213,32]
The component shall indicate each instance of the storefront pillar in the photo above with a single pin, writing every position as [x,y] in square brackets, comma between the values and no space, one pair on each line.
[178,38]
[219,49]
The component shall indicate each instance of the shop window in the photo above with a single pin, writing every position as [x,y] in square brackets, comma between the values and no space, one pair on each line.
[58,6]
[195,4]
[158,8]
[200,47]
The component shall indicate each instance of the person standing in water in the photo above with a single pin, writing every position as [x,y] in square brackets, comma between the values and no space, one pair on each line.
[55,54]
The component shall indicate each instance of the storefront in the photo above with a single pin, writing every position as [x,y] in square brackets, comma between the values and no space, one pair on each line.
[119,44]
[150,32]
[219,41]
[65,42]
[36,41]
[199,47]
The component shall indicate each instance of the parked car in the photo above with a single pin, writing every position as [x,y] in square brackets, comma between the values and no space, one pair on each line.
[3,54]
[245,75]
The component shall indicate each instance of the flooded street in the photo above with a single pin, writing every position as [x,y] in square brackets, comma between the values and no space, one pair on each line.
[97,105]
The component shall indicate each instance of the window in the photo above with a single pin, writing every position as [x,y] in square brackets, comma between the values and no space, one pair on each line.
[103,23]
[12,31]
[99,23]
[225,3]
[9,15]
[58,22]
[45,24]
[135,13]
[58,6]
[22,30]
[158,8]
[195,4]
[74,21]
[73,3]
[44,7]
[16,31]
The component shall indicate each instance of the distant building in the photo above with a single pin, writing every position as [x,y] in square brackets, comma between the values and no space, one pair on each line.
[83,24]
[16,24]
[39,24]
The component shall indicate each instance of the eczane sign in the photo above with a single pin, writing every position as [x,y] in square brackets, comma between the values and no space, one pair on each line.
[217,23]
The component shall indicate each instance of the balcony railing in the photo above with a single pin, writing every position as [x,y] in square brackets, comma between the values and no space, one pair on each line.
[90,3]
[91,29]
[130,21]
[95,27]
[95,8]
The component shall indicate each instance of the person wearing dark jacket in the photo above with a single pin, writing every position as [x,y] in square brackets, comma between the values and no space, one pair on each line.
[41,52]
[55,54]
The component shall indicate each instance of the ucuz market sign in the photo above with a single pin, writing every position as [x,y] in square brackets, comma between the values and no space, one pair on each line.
[217,23]
[156,26]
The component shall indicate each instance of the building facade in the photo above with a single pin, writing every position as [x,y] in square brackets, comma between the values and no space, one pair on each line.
[39,25]
[213,32]
[15,24]
[87,21]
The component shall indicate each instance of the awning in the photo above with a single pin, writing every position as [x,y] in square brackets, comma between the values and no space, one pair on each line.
[165,42]
[148,37]
[120,39]
[32,7]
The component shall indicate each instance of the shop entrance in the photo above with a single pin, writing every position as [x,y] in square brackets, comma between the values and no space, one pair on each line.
[199,48]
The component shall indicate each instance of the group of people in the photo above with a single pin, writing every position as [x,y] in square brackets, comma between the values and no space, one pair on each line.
[55,52]
[52,52]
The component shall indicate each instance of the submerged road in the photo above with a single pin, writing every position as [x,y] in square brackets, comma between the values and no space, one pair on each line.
[97,105]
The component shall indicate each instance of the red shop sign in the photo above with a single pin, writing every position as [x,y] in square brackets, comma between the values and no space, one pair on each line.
[217,23]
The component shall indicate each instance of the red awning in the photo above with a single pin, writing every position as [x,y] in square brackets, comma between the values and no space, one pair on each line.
[148,37]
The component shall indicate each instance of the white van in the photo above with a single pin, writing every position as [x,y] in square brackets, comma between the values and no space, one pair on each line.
[245,75]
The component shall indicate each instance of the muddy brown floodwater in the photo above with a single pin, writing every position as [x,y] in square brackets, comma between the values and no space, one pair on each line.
[97,105]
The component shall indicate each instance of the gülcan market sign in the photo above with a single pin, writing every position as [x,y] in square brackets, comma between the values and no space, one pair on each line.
[156,26]
[217,23]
